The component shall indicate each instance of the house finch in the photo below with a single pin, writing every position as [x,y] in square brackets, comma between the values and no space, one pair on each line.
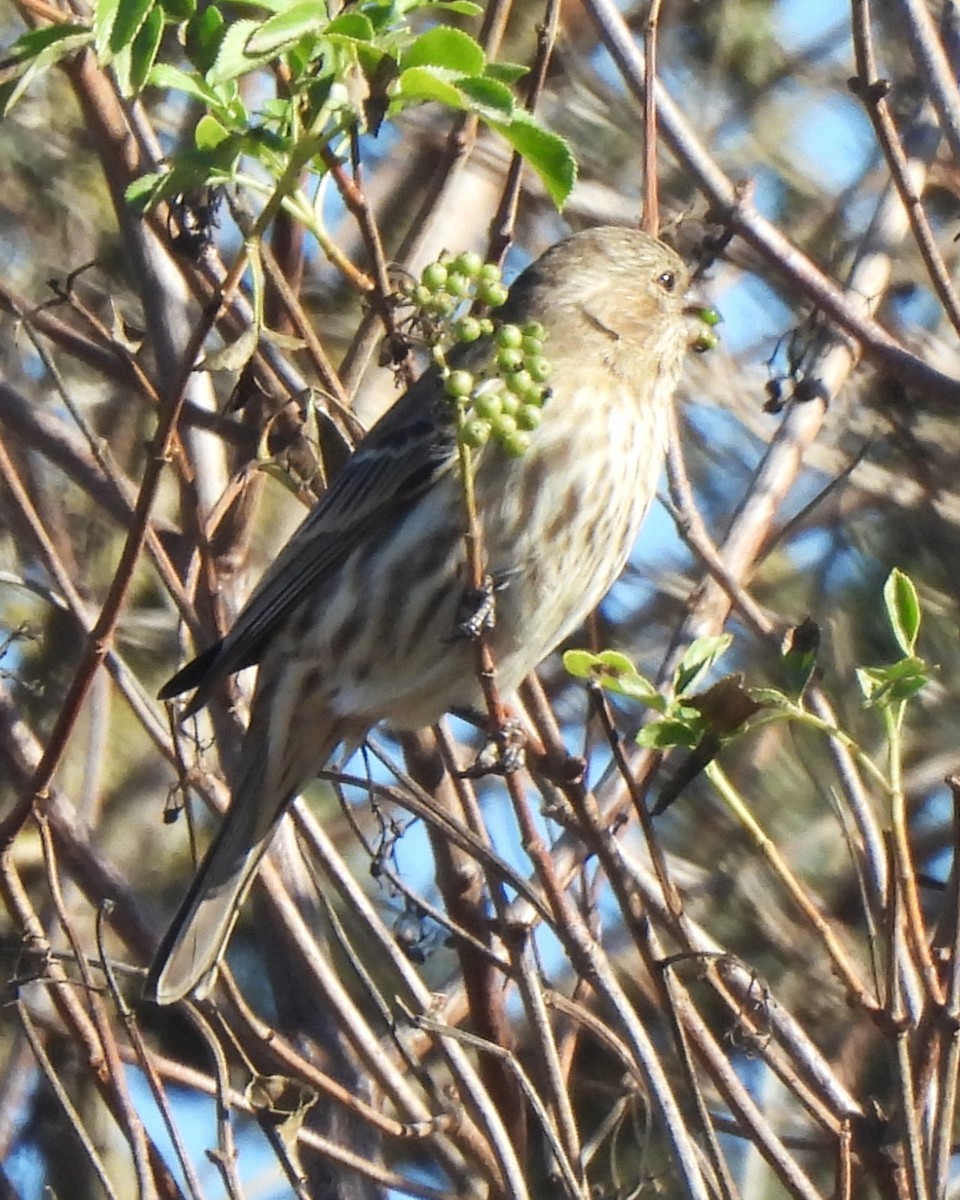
[356,621]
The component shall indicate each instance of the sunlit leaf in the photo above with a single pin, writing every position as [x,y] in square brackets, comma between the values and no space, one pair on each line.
[445,47]
[423,84]
[903,609]
[547,153]
[129,16]
[285,28]
[145,47]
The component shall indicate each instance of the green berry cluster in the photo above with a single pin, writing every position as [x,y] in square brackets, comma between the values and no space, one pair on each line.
[446,284]
[505,402]
[502,401]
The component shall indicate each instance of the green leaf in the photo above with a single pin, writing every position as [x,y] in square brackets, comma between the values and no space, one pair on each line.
[35,52]
[232,59]
[285,28]
[351,25]
[209,133]
[104,17]
[885,686]
[164,76]
[145,47]
[662,735]
[235,355]
[698,658]
[506,72]
[179,10]
[32,44]
[800,647]
[130,16]
[121,62]
[770,698]
[466,8]
[424,83]
[445,47]
[191,169]
[139,194]
[614,672]
[580,663]
[491,100]
[549,155]
[204,33]
[903,609]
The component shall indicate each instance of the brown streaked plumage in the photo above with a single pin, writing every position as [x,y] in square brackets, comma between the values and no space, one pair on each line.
[353,623]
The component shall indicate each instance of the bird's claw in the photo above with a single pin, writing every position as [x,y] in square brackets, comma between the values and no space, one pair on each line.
[477,610]
[502,754]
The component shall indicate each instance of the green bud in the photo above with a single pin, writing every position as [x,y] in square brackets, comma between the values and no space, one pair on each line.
[467,329]
[458,384]
[486,324]
[509,337]
[457,285]
[532,346]
[421,295]
[475,432]
[434,276]
[533,329]
[509,404]
[489,273]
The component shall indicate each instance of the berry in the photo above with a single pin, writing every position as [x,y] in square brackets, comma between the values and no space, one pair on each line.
[434,276]
[467,329]
[509,337]
[503,426]
[493,294]
[521,384]
[475,432]
[516,444]
[488,403]
[539,369]
[469,263]
[458,384]
[509,360]
[529,416]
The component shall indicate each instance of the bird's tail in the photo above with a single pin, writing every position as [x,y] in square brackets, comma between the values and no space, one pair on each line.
[198,935]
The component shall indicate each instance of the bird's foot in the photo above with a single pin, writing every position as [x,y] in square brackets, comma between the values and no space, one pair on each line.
[503,753]
[478,611]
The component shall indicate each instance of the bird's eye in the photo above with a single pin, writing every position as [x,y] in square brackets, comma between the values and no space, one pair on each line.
[668,281]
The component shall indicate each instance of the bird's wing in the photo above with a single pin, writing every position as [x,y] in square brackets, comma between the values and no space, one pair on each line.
[410,447]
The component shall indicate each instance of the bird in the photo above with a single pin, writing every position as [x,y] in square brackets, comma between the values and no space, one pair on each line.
[355,622]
